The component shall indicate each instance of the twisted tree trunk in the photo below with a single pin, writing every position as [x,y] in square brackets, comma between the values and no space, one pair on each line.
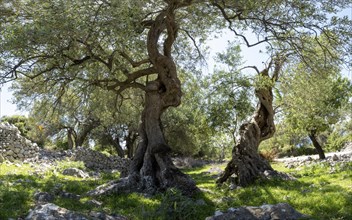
[152,169]
[246,164]
[152,162]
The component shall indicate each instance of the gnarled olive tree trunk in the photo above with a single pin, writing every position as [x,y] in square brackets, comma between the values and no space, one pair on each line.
[152,162]
[246,164]
[152,169]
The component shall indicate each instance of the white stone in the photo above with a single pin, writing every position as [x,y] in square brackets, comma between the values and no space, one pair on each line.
[218,213]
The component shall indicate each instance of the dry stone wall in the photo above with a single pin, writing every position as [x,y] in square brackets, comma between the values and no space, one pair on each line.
[13,146]
[99,161]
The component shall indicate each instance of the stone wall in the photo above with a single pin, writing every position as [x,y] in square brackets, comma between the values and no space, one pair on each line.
[13,146]
[98,161]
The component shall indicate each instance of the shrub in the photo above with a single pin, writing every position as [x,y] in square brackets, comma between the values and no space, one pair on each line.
[336,141]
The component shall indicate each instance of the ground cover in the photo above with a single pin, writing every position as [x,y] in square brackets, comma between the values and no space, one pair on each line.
[320,191]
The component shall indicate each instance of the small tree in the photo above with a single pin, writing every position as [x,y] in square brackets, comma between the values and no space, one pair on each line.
[311,101]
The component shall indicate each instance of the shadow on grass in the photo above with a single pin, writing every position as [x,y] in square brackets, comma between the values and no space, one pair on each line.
[328,201]
[320,196]
[17,197]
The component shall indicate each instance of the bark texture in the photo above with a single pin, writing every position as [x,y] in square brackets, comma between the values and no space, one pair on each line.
[246,164]
[130,143]
[316,145]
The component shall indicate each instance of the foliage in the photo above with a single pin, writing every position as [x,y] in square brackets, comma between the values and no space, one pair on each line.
[228,94]
[341,131]
[118,122]
[336,141]
[312,96]
[287,142]
[106,49]
[186,127]
[312,102]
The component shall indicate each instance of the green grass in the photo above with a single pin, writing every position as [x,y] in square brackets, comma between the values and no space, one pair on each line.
[317,192]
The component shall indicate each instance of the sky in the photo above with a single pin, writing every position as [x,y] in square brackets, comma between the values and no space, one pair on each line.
[6,107]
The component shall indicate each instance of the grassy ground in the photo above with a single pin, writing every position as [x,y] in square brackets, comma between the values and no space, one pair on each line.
[317,192]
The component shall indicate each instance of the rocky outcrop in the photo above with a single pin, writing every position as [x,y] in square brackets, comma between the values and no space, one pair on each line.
[75,172]
[52,211]
[264,212]
[13,146]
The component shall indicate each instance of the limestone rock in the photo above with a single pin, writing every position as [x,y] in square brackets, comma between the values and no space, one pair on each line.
[51,211]
[97,161]
[94,203]
[103,216]
[75,172]
[13,146]
[264,212]
[347,147]
[43,197]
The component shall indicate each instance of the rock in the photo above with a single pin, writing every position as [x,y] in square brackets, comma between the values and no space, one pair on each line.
[264,212]
[68,195]
[16,150]
[347,147]
[218,213]
[103,216]
[335,157]
[233,186]
[97,161]
[10,153]
[13,146]
[11,158]
[94,203]
[2,159]
[43,197]
[75,172]
[51,211]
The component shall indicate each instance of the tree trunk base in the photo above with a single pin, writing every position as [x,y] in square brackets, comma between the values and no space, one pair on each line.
[244,170]
[146,185]
[246,165]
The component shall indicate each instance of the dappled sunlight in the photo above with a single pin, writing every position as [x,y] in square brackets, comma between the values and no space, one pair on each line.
[324,196]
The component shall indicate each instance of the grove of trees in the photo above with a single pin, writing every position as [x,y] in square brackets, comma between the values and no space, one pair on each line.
[111,71]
